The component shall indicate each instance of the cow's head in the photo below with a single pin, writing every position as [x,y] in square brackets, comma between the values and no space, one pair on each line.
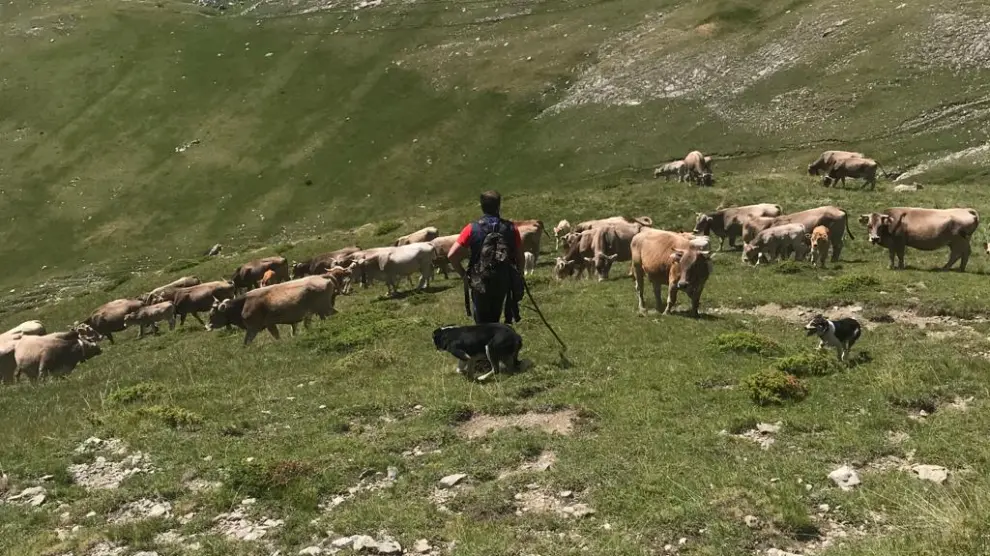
[217,318]
[707,179]
[562,228]
[703,225]
[90,349]
[750,254]
[86,332]
[880,226]
[602,263]
[691,267]
[299,270]
[813,169]
[571,239]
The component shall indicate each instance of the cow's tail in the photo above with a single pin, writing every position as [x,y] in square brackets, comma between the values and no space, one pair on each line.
[882,171]
[546,232]
[848,229]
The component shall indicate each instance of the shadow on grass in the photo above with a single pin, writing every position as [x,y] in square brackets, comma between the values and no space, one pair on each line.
[410,293]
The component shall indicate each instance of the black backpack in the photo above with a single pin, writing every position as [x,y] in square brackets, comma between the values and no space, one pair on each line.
[495,260]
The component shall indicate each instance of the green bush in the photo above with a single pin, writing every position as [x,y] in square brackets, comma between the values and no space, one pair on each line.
[851,283]
[385,228]
[816,363]
[773,387]
[173,416]
[745,342]
[138,392]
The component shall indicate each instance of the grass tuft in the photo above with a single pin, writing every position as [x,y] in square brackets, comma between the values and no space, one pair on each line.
[142,391]
[173,416]
[815,363]
[774,387]
[854,283]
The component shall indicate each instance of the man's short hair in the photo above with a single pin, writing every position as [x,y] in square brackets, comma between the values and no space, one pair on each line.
[491,203]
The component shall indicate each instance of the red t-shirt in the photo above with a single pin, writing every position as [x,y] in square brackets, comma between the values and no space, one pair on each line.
[464,240]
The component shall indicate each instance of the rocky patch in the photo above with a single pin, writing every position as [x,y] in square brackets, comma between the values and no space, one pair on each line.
[237,525]
[534,500]
[32,496]
[545,461]
[140,510]
[105,473]
[370,483]
[558,422]
[762,434]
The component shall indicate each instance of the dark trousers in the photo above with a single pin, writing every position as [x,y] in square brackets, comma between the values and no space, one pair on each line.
[487,308]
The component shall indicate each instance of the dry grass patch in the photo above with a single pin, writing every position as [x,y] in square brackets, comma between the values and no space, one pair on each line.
[558,422]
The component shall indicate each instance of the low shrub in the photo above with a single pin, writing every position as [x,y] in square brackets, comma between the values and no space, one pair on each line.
[851,283]
[773,387]
[173,416]
[385,228]
[141,391]
[816,363]
[745,342]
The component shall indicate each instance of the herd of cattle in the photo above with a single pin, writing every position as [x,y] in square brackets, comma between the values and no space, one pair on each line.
[266,293]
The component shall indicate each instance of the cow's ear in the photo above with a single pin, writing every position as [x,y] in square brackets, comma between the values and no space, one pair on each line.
[677,254]
[864,219]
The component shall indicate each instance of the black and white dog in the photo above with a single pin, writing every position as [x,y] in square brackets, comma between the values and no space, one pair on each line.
[499,343]
[840,334]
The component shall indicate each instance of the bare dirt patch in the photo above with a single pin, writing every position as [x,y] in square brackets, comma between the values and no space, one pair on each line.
[558,422]
[562,504]
[545,461]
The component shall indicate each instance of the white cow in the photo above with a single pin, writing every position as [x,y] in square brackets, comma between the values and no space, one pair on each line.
[777,241]
[559,231]
[530,263]
[392,263]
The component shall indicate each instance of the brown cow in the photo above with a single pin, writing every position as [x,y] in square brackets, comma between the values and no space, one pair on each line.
[342,277]
[249,274]
[863,168]
[53,354]
[419,236]
[579,250]
[828,159]
[109,317]
[777,241]
[729,222]
[610,243]
[167,292]
[673,260]
[831,217]
[644,221]
[924,229]
[531,232]
[322,262]
[819,245]
[442,246]
[286,303]
[199,299]
[150,316]
[698,168]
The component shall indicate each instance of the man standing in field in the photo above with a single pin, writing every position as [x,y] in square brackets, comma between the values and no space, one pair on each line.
[493,279]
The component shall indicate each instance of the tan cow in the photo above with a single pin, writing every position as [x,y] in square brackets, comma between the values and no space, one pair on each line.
[831,217]
[26,328]
[610,243]
[856,168]
[827,160]
[673,260]
[674,168]
[392,263]
[777,241]
[249,274]
[53,354]
[441,246]
[924,229]
[729,222]
[698,168]
[150,315]
[320,263]
[109,317]
[289,303]
[559,232]
[819,245]
[199,299]
[167,292]
[644,221]
[531,232]
[419,236]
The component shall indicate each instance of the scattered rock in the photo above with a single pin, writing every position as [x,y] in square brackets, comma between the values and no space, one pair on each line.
[37,500]
[537,501]
[565,494]
[361,542]
[933,473]
[762,434]
[898,437]
[389,547]
[236,525]
[104,473]
[778,552]
[311,551]
[559,422]
[422,546]
[751,521]
[845,477]
[140,510]
[960,404]
[451,480]
[4,483]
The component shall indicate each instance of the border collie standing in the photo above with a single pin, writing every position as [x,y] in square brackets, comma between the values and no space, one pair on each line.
[840,334]
[497,342]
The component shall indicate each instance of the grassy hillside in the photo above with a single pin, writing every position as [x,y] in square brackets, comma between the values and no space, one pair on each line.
[135,135]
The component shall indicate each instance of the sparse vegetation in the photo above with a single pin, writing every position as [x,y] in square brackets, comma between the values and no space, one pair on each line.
[141,391]
[773,386]
[854,284]
[816,363]
[173,416]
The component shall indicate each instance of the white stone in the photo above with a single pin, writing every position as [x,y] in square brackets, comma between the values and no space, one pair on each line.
[422,546]
[311,551]
[342,542]
[37,500]
[360,542]
[389,547]
[751,521]
[933,473]
[248,502]
[451,480]
[845,477]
